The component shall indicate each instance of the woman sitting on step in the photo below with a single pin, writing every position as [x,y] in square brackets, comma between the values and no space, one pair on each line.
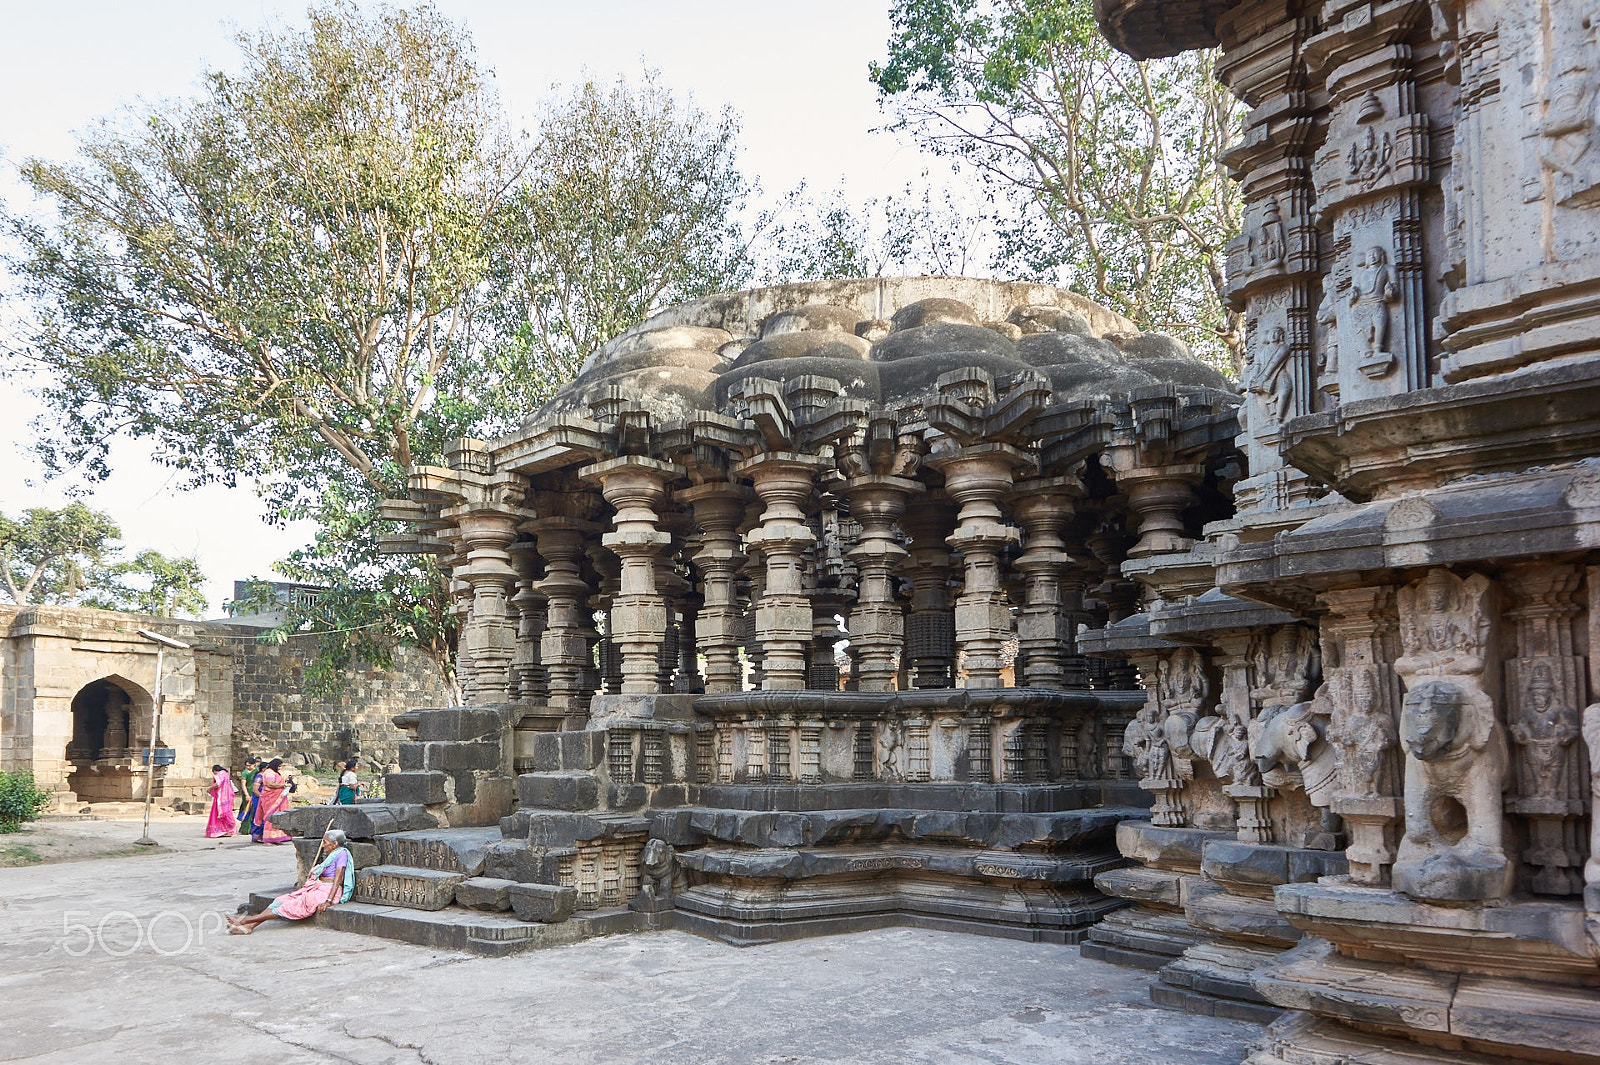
[332,880]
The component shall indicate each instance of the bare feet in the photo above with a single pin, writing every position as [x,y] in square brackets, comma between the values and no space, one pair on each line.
[240,929]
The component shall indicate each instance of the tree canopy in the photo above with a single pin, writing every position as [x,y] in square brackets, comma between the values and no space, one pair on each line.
[329,263]
[71,555]
[1110,170]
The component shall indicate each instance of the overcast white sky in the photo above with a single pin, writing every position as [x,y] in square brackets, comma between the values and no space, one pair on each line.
[796,73]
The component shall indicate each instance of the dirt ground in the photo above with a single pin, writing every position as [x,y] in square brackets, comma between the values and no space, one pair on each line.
[48,842]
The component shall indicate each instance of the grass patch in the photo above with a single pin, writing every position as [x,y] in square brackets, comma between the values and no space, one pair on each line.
[19,854]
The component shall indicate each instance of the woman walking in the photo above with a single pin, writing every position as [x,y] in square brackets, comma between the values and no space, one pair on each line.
[272,791]
[221,822]
[332,881]
[247,798]
[349,784]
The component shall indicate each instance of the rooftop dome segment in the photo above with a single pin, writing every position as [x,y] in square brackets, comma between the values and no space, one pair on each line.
[884,340]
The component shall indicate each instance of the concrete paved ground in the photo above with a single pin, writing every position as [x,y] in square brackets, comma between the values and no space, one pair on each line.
[292,994]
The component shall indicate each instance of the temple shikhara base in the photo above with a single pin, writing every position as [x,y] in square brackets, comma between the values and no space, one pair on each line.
[966,604]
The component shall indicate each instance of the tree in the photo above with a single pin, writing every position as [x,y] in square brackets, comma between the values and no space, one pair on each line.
[53,556]
[916,232]
[283,278]
[630,204]
[1112,168]
[164,585]
[296,277]
[70,557]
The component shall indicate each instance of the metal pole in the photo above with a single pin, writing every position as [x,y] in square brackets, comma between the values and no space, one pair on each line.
[150,754]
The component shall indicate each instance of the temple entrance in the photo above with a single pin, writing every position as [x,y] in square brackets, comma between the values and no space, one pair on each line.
[103,752]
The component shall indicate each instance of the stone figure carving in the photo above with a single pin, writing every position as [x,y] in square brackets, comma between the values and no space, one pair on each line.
[1328,323]
[1455,748]
[1184,690]
[657,867]
[1267,246]
[1285,663]
[1567,132]
[1289,748]
[1549,790]
[1591,868]
[1373,288]
[1271,379]
[1371,157]
[890,741]
[1363,733]
[1455,769]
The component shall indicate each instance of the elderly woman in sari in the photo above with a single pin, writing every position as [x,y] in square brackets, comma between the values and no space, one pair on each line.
[331,881]
[272,788]
[221,822]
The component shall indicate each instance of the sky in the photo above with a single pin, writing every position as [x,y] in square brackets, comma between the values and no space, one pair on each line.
[797,76]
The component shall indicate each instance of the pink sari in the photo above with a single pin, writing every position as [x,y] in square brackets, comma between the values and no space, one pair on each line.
[221,822]
[273,801]
[331,881]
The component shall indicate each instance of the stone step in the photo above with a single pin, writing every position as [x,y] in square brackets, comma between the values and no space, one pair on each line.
[398,885]
[456,928]
[449,850]
[568,792]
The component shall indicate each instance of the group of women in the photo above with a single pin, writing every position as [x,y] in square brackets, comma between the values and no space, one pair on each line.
[266,792]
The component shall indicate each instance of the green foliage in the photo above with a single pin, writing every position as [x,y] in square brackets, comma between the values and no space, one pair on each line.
[629,204]
[53,556]
[163,585]
[370,602]
[1108,171]
[320,270]
[916,232]
[21,800]
[69,556]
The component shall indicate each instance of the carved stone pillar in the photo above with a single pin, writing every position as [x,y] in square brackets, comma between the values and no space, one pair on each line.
[607,656]
[1045,638]
[783,614]
[978,478]
[527,664]
[1157,496]
[876,625]
[688,678]
[822,672]
[1229,748]
[635,486]
[931,626]
[564,648]
[1544,694]
[1361,641]
[490,632]
[718,510]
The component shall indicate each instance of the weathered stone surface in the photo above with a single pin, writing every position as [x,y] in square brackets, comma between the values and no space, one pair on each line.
[485,893]
[417,889]
[547,903]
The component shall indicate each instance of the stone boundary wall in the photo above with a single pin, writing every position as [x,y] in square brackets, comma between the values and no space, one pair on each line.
[273,715]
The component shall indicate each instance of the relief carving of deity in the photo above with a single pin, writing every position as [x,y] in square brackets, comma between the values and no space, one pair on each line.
[1268,246]
[1374,289]
[1364,734]
[1271,378]
[1371,157]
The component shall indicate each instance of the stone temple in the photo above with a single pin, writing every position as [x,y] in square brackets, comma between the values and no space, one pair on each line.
[965,604]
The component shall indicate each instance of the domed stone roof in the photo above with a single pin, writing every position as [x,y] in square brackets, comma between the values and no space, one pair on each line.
[886,340]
